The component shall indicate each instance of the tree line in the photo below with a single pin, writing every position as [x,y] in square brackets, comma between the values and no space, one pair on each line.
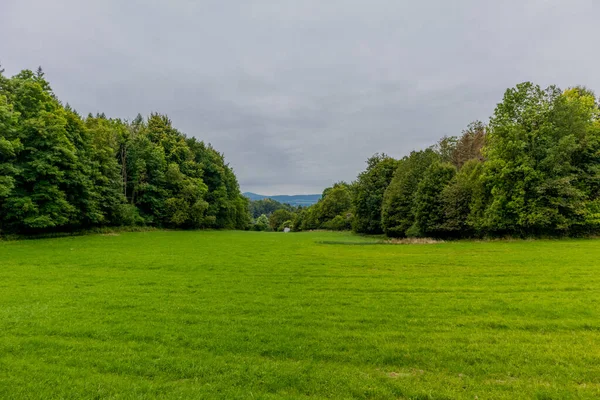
[60,171]
[533,170]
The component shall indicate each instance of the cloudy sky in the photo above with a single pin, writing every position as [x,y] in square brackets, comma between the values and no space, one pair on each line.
[299,93]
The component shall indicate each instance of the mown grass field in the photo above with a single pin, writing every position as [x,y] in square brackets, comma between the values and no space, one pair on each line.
[247,315]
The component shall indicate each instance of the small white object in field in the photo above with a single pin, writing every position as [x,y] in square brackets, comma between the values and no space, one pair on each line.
[286,230]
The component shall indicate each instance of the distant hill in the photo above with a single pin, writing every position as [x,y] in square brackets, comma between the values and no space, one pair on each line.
[295,200]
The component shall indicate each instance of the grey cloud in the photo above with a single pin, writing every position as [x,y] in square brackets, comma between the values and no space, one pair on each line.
[298,94]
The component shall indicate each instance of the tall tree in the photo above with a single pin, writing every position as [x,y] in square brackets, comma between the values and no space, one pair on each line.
[266,206]
[530,168]
[470,145]
[59,171]
[429,205]
[47,162]
[398,212]
[10,145]
[278,218]
[369,190]
[336,200]
[462,199]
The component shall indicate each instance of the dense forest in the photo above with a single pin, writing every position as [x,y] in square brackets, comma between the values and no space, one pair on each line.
[60,171]
[533,169]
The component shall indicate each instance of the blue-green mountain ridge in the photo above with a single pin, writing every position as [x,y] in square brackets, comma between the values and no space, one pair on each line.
[293,200]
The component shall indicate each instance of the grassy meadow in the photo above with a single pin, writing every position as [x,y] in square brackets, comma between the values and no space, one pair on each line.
[250,315]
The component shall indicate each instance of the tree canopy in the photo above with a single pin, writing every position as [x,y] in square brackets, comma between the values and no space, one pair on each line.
[61,171]
[534,169]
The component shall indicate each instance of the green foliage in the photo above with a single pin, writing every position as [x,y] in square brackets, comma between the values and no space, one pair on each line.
[104,140]
[10,146]
[335,201]
[333,211]
[227,206]
[261,223]
[369,189]
[534,167]
[398,212]
[267,206]
[47,176]
[310,219]
[429,204]
[339,223]
[533,171]
[287,224]
[461,198]
[298,219]
[277,219]
[59,171]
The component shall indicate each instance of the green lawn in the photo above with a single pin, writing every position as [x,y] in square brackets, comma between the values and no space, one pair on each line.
[268,315]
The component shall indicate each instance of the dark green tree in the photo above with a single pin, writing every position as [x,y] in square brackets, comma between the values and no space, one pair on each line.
[398,212]
[262,223]
[428,202]
[278,217]
[267,206]
[369,188]
[61,172]
[10,145]
[336,201]
[46,162]
[531,169]
[462,200]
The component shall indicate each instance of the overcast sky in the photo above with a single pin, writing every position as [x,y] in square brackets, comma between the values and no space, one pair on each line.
[299,93]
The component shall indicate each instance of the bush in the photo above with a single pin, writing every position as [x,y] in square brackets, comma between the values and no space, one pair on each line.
[413,231]
[286,224]
[339,223]
[278,218]
[261,224]
[128,215]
